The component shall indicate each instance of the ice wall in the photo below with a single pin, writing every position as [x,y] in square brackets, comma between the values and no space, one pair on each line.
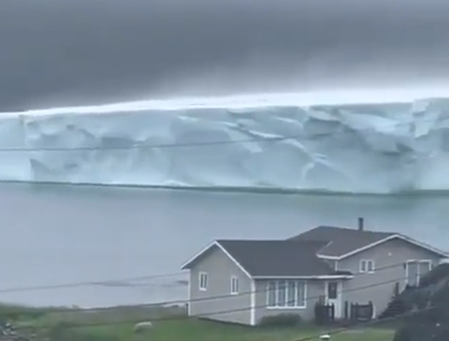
[288,142]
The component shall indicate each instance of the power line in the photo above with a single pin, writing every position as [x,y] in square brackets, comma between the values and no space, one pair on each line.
[211,143]
[131,279]
[90,283]
[207,314]
[172,302]
[309,298]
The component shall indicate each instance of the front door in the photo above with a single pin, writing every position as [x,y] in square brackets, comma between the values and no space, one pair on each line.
[333,294]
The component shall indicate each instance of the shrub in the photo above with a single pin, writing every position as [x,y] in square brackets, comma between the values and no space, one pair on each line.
[16,312]
[402,334]
[281,320]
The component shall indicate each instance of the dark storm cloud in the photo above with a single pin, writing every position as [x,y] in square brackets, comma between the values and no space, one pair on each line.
[55,52]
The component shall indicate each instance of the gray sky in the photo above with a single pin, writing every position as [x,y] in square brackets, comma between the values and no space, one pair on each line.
[75,52]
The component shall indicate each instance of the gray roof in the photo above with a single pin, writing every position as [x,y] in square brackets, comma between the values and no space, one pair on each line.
[340,240]
[273,258]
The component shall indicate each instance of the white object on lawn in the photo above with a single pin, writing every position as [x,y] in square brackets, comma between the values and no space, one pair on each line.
[142,326]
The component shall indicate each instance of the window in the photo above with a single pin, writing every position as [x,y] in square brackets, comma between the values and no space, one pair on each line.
[234,285]
[332,290]
[271,294]
[286,294]
[203,281]
[411,273]
[424,267]
[301,294]
[366,266]
[291,293]
[415,269]
[281,296]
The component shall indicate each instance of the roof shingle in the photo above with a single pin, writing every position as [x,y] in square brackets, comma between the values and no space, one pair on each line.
[298,256]
[278,258]
[340,240]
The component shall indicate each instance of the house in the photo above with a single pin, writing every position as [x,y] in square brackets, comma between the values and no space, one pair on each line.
[242,281]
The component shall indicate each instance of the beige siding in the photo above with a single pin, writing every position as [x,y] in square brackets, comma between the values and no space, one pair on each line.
[394,252]
[207,304]
[315,289]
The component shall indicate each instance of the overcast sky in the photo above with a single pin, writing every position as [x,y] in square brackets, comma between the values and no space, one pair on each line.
[75,52]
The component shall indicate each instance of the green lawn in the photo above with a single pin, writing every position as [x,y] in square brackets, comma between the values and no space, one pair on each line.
[196,330]
[171,325]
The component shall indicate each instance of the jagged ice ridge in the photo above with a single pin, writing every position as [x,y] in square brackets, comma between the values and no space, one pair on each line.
[380,142]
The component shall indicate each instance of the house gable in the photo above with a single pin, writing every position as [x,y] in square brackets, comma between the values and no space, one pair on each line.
[271,258]
[393,252]
[216,300]
[215,245]
[389,271]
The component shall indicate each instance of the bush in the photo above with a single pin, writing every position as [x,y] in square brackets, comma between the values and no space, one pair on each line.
[402,334]
[16,312]
[281,320]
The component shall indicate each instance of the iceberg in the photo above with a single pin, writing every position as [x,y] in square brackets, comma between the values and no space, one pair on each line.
[354,142]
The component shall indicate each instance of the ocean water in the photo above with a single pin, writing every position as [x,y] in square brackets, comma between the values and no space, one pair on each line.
[57,235]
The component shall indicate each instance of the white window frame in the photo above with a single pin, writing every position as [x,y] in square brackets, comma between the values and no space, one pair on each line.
[235,286]
[286,305]
[418,275]
[203,285]
[367,268]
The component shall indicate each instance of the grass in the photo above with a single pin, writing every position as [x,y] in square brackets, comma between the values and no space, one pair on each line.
[110,325]
[196,330]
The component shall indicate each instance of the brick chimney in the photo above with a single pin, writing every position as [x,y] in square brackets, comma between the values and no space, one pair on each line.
[360,224]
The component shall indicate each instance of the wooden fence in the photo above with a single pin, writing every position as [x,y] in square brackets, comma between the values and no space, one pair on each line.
[353,312]
[358,312]
[324,313]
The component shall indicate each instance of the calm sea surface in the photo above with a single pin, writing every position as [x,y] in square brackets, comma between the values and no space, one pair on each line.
[56,235]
